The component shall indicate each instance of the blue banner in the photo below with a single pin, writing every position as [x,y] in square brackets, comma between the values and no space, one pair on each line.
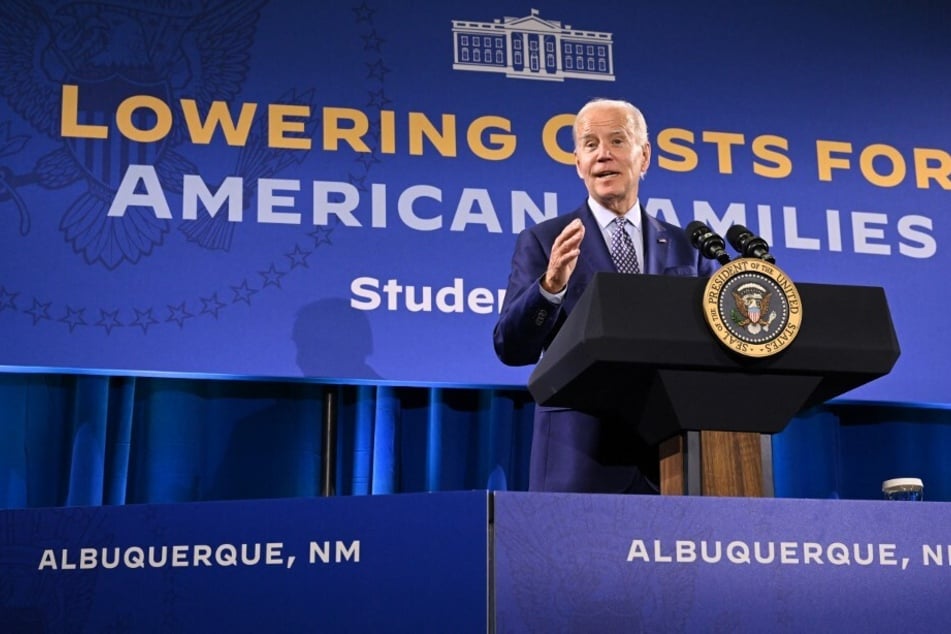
[408,563]
[575,563]
[332,190]
[477,562]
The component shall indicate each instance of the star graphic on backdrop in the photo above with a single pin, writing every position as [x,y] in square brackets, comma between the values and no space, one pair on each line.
[243,293]
[364,13]
[272,277]
[298,257]
[144,319]
[39,311]
[321,235]
[73,317]
[6,299]
[211,305]
[360,182]
[372,41]
[378,99]
[367,160]
[178,314]
[377,70]
[108,320]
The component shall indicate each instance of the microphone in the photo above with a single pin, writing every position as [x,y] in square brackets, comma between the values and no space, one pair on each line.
[748,245]
[709,244]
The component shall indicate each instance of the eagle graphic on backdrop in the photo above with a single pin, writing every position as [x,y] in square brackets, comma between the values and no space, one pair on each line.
[752,308]
[193,49]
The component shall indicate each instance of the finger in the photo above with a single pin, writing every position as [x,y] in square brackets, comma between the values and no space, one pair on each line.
[570,236]
[564,260]
[571,228]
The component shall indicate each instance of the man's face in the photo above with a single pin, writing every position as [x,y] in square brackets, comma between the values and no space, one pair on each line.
[608,158]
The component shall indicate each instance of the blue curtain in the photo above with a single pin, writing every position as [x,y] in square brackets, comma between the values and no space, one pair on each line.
[78,440]
[848,450]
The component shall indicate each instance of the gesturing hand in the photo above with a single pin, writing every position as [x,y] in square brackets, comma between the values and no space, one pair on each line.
[564,257]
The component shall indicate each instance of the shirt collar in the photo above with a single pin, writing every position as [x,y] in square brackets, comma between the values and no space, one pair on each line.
[605,216]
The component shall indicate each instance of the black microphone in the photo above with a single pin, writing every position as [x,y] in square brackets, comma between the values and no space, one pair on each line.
[747,244]
[709,244]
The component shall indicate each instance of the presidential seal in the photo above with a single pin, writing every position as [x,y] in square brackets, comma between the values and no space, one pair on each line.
[752,307]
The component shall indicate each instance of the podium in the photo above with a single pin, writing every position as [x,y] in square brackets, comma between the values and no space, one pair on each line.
[637,347]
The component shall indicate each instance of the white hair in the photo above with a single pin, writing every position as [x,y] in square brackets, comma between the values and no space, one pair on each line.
[635,119]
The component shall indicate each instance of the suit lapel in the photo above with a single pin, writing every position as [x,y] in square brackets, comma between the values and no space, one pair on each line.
[656,245]
[594,257]
[594,252]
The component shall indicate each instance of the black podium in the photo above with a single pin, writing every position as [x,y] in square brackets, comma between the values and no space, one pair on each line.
[637,347]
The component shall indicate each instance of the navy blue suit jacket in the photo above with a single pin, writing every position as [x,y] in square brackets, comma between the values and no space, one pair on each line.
[573,451]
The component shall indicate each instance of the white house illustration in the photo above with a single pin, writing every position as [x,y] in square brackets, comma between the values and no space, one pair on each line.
[532,48]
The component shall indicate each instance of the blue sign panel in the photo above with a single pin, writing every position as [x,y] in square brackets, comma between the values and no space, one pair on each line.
[408,563]
[582,563]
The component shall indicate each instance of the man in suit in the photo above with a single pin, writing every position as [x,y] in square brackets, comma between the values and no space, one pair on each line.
[553,263]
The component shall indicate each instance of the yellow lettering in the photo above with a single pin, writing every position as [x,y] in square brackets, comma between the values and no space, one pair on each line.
[550,138]
[163,118]
[444,141]
[825,159]
[724,142]
[218,116]
[279,126]
[686,156]
[940,173]
[69,118]
[867,163]
[766,148]
[503,145]
[353,135]
[387,132]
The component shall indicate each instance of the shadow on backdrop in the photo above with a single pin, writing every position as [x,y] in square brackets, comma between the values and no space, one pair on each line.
[333,340]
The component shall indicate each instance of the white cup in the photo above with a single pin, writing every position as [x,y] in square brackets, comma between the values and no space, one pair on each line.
[908,489]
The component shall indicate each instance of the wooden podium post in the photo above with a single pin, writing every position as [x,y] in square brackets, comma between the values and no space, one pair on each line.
[716,463]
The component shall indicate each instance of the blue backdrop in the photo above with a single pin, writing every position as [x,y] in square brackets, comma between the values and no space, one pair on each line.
[331,191]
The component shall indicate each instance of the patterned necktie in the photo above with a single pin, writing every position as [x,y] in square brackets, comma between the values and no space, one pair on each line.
[622,248]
